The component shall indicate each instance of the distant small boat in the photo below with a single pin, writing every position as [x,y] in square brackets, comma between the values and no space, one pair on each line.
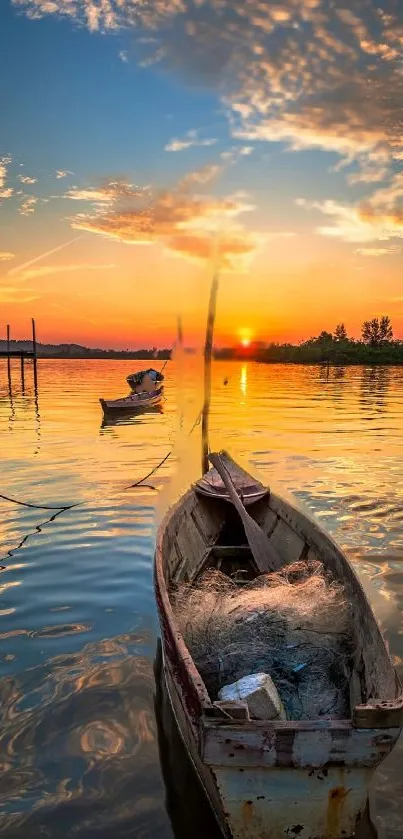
[134,401]
[136,380]
[292,778]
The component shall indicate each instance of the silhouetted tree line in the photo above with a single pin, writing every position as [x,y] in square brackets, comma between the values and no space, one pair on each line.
[78,351]
[376,346]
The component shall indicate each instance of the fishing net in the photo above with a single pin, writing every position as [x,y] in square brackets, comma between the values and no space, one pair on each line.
[294,624]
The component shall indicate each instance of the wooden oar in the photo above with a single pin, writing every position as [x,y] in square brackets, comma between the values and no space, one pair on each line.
[265,556]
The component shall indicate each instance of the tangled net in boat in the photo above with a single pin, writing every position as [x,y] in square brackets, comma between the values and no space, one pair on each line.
[294,624]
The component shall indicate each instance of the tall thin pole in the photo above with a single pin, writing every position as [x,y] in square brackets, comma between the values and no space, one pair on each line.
[33,338]
[208,348]
[35,356]
[22,372]
[8,358]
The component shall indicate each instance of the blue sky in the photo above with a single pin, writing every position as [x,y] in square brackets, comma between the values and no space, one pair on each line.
[275,123]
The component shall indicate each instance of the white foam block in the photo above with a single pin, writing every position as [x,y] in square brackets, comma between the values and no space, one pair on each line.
[259,692]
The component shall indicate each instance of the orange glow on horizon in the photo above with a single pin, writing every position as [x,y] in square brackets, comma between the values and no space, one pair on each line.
[133,299]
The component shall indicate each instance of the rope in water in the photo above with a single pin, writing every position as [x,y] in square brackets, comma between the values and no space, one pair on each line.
[39,506]
[64,507]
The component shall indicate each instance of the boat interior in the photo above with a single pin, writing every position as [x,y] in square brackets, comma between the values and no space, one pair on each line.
[208,533]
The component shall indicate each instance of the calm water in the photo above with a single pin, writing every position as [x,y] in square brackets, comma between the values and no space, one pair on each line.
[78,628]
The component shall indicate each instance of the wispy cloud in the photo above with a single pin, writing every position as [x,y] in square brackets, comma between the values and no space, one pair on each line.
[185,219]
[20,268]
[191,139]
[50,270]
[14,294]
[62,173]
[304,72]
[5,256]
[25,179]
[28,204]
[393,249]
[107,193]
[355,223]
[5,192]
[123,56]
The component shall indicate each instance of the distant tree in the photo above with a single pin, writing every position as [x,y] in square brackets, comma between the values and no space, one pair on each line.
[377,332]
[325,337]
[340,333]
[385,329]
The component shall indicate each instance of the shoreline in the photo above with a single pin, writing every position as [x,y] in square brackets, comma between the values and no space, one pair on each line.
[238,359]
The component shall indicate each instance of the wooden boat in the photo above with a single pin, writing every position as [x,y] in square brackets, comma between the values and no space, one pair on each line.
[306,779]
[134,401]
[135,380]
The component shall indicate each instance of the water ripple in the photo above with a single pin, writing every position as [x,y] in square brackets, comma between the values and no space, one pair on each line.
[78,740]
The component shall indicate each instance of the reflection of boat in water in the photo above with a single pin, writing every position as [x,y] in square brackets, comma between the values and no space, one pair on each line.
[134,401]
[143,377]
[125,417]
[184,794]
[307,778]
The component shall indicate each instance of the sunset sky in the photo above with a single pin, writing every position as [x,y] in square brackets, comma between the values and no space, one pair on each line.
[142,142]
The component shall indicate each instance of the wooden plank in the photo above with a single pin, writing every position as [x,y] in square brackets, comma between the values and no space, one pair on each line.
[380,677]
[287,542]
[235,551]
[379,715]
[208,518]
[271,803]
[264,552]
[246,746]
[192,548]
[211,484]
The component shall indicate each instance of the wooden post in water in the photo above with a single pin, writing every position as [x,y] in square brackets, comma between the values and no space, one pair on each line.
[33,337]
[22,372]
[35,355]
[8,359]
[208,348]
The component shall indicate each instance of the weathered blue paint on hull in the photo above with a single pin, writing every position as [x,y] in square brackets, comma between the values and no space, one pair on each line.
[292,803]
[269,802]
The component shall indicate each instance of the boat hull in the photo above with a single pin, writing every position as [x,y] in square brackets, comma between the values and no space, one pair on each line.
[275,779]
[316,796]
[133,402]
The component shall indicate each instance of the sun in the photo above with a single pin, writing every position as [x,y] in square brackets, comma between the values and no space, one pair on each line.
[245,337]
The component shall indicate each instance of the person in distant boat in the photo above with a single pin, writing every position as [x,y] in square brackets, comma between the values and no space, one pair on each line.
[148,383]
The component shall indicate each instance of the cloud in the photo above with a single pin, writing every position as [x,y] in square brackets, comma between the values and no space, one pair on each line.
[6,255]
[123,56]
[304,72]
[25,179]
[14,294]
[235,248]
[27,206]
[378,251]
[5,192]
[20,268]
[185,219]
[188,142]
[107,193]
[50,270]
[355,223]
[62,173]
